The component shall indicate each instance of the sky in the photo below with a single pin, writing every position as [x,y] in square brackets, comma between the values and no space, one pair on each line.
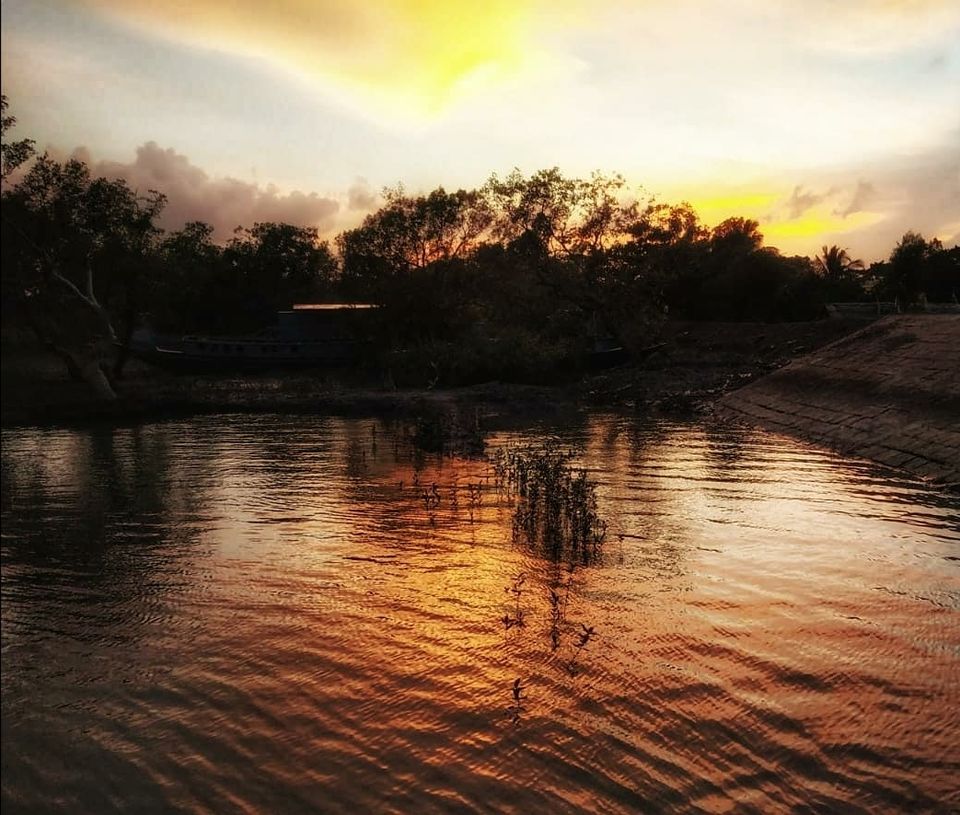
[829,121]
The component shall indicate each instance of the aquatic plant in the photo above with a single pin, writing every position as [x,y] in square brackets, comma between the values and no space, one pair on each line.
[431,497]
[449,432]
[586,634]
[556,507]
[556,618]
[509,621]
[475,494]
[517,707]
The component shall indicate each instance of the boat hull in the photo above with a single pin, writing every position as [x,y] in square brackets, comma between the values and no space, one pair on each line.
[307,356]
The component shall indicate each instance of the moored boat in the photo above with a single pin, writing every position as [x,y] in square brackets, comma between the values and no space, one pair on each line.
[307,336]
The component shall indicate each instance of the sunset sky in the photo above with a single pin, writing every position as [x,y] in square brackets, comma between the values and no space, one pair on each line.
[830,121]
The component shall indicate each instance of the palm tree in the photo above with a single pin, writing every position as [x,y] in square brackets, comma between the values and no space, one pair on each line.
[835,263]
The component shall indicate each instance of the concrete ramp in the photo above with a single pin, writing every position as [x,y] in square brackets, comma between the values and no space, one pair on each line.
[889,392]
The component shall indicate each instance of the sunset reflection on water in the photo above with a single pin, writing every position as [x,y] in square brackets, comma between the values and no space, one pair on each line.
[236,613]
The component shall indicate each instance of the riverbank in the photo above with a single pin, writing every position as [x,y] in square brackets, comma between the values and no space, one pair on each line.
[687,368]
[889,392]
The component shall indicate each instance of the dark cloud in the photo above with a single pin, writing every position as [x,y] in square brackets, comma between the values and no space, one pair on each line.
[863,195]
[919,192]
[224,203]
[930,200]
[361,196]
[800,201]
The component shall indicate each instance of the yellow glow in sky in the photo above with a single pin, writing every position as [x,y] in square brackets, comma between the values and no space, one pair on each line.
[714,209]
[816,223]
[731,105]
[789,234]
[408,58]
[804,235]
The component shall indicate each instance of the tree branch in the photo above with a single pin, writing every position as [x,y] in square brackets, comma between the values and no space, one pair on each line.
[74,290]
[90,294]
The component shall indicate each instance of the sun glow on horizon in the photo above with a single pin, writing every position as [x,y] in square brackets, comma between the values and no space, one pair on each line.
[729,106]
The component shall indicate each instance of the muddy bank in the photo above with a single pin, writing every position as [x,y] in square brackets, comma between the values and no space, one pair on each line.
[151,398]
[691,364]
[686,367]
[889,392]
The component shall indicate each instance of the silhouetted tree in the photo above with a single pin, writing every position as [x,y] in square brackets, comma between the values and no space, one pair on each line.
[906,267]
[569,216]
[920,267]
[12,154]
[841,275]
[274,265]
[836,264]
[409,233]
[735,238]
[77,259]
[573,236]
[941,275]
[671,245]
[188,290]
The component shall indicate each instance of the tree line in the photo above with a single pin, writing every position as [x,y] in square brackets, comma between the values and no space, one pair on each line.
[512,280]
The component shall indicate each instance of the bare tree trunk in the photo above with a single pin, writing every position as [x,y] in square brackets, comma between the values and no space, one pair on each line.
[71,365]
[81,355]
[123,351]
[94,376]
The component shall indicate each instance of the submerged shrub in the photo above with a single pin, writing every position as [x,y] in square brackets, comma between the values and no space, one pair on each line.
[556,504]
[451,431]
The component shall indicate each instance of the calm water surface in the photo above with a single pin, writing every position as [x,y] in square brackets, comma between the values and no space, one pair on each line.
[262,615]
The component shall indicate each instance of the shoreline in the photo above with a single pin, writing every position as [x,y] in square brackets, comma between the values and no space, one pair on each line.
[693,366]
[866,390]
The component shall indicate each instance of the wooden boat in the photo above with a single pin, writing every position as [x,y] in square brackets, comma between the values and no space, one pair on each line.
[606,353]
[308,336]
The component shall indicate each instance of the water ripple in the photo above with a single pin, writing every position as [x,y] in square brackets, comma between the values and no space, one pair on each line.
[263,614]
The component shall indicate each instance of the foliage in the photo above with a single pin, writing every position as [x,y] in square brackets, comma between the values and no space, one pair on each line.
[12,154]
[184,295]
[556,506]
[76,259]
[566,216]
[272,266]
[517,280]
[410,233]
[920,269]
[834,263]
[842,277]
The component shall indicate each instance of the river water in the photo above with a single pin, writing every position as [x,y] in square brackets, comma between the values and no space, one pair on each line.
[263,614]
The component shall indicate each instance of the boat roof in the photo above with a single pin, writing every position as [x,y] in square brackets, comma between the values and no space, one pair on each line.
[332,306]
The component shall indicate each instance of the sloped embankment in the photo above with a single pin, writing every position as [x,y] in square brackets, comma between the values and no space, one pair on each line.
[889,392]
